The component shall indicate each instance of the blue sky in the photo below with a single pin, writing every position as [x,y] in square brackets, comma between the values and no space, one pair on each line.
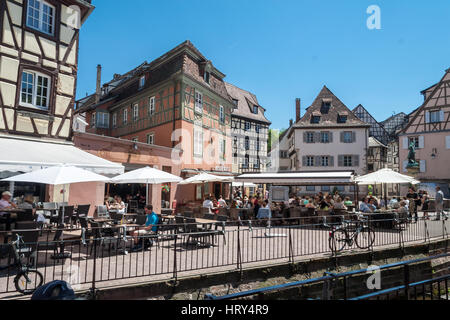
[281,50]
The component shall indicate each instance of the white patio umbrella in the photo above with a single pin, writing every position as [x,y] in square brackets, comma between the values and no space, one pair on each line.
[206,177]
[385,176]
[59,175]
[146,176]
[245,184]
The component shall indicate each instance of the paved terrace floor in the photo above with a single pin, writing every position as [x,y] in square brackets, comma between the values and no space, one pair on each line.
[256,247]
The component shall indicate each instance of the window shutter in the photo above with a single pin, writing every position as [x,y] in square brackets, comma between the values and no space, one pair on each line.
[342,137]
[447,142]
[304,159]
[405,143]
[405,164]
[305,137]
[353,137]
[421,142]
[340,161]
[316,137]
[356,160]
[330,134]
[427,117]
[441,115]
[317,162]
[423,167]
[331,161]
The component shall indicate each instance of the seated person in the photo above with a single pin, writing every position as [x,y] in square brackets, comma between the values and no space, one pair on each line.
[339,204]
[364,206]
[6,203]
[222,203]
[208,204]
[264,211]
[151,226]
[326,203]
[402,210]
[372,205]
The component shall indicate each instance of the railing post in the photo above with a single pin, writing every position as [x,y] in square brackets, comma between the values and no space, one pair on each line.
[291,251]
[175,274]
[406,280]
[239,258]
[94,271]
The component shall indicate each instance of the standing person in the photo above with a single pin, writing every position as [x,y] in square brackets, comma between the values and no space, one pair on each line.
[412,197]
[439,203]
[256,206]
[425,205]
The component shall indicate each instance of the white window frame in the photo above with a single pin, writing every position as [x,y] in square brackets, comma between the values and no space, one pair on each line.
[198,141]
[308,136]
[222,148]
[141,82]
[34,95]
[350,134]
[346,162]
[151,138]
[247,143]
[324,161]
[247,126]
[102,120]
[198,102]
[125,116]
[114,119]
[435,116]
[151,106]
[323,135]
[309,161]
[135,112]
[40,17]
[221,114]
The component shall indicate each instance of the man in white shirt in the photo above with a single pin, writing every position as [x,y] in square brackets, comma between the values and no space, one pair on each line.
[208,204]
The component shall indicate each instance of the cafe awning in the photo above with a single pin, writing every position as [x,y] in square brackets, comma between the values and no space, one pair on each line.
[22,155]
[299,178]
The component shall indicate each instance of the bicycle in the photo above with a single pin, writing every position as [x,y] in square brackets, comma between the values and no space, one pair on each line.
[27,279]
[363,236]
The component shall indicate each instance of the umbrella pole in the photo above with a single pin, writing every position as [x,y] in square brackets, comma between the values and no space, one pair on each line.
[385,196]
[146,196]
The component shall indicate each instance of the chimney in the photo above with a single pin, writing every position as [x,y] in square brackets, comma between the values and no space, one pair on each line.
[291,122]
[99,84]
[297,110]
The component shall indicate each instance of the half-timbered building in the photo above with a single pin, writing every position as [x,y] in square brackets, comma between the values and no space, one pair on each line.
[178,100]
[429,130]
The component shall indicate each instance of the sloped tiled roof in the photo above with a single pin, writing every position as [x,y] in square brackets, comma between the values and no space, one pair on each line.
[438,96]
[329,119]
[376,129]
[159,69]
[245,102]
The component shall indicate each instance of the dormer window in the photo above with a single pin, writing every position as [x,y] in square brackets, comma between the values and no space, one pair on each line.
[315,119]
[206,77]
[41,16]
[255,109]
[325,107]
[342,118]
[141,82]
[235,102]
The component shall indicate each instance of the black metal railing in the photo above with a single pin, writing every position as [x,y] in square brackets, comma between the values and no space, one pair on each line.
[335,286]
[87,257]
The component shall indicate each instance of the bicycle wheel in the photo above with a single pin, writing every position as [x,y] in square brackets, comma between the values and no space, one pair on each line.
[365,238]
[337,240]
[26,282]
